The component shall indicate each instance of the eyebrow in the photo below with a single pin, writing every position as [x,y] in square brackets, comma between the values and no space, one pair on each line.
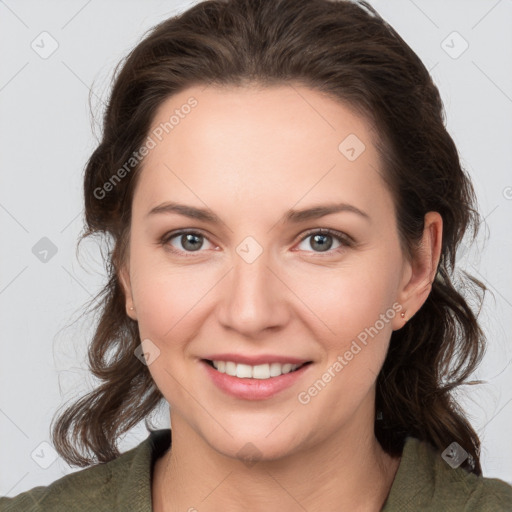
[293,216]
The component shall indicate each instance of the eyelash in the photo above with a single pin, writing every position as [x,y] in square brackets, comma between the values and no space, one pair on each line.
[344,239]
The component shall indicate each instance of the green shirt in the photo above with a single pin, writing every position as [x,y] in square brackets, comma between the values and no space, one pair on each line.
[423,482]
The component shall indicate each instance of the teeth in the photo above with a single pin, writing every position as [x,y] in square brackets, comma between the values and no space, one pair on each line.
[260,371]
[244,371]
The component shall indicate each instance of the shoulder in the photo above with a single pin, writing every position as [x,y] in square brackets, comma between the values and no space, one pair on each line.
[489,494]
[92,487]
[425,481]
[472,493]
[102,487]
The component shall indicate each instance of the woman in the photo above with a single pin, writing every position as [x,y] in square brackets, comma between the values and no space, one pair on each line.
[309,343]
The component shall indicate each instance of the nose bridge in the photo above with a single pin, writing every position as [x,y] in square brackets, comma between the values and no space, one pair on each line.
[253,299]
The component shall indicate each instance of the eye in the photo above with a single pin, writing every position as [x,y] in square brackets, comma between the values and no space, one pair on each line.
[321,239]
[187,241]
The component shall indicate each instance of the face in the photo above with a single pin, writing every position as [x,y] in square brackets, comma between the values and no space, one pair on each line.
[259,281]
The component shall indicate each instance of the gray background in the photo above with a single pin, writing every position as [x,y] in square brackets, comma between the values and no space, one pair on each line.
[46,136]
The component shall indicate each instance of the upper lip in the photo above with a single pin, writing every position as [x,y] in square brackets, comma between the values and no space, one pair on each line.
[256,360]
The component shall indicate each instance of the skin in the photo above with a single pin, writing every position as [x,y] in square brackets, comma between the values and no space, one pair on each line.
[249,155]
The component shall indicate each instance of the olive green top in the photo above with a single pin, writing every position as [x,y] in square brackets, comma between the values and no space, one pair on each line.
[423,482]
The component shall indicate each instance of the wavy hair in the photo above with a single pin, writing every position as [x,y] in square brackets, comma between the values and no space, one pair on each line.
[346,50]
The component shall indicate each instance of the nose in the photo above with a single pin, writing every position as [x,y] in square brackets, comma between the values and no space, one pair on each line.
[254,297]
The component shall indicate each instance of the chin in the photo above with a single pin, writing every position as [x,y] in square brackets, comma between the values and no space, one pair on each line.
[253,445]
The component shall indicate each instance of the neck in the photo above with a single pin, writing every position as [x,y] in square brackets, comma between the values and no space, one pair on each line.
[346,472]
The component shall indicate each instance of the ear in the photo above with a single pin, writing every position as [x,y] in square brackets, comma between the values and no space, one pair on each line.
[421,271]
[124,278]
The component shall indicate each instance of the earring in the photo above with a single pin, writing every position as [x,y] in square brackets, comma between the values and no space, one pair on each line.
[402,314]
[131,307]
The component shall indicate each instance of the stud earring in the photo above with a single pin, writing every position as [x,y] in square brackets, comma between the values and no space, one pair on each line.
[131,307]
[402,314]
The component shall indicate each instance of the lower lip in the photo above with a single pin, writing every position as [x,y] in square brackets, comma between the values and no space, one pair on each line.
[253,389]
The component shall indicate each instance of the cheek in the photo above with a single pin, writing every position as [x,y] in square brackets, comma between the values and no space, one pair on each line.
[168,308]
[347,300]
[355,313]
[166,301]
[167,295]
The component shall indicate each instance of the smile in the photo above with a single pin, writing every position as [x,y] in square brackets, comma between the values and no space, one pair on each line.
[260,371]
[253,382]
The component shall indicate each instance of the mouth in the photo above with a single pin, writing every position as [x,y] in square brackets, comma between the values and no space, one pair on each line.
[259,382]
[261,371]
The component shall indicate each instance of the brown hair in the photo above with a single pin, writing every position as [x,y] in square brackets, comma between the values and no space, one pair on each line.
[341,48]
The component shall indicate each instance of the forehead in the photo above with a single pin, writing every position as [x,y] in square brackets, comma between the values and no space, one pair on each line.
[276,115]
[254,142]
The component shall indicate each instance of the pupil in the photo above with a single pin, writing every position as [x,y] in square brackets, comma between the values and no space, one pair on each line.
[322,245]
[188,239]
